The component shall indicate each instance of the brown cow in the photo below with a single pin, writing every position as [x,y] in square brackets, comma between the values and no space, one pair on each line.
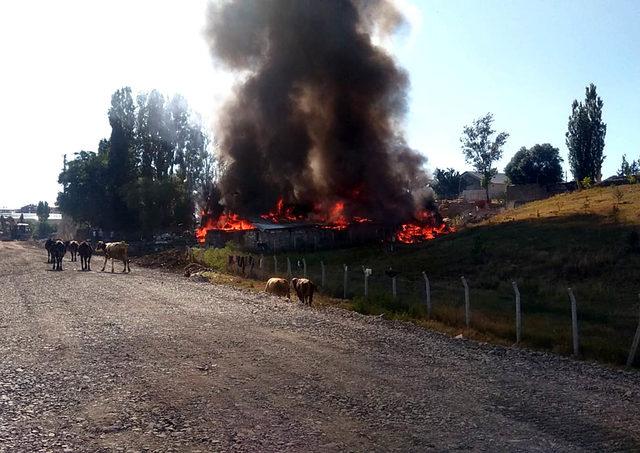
[279,287]
[304,288]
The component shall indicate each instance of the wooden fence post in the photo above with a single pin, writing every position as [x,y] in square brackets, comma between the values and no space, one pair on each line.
[304,268]
[346,271]
[427,290]
[367,273]
[574,323]
[324,274]
[288,268]
[467,309]
[275,265]
[518,313]
[634,345]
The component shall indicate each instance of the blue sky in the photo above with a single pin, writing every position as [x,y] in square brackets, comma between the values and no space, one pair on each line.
[525,61]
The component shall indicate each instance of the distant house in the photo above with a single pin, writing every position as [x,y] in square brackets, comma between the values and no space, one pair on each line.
[475,192]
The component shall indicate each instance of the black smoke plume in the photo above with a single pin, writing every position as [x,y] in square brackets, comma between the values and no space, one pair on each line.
[317,119]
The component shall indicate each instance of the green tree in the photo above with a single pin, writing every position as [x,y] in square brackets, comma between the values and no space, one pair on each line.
[148,175]
[43,211]
[628,168]
[85,185]
[539,164]
[481,150]
[448,183]
[585,136]
[121,162]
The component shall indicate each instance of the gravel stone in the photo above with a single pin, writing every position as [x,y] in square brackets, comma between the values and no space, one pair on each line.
[151,361]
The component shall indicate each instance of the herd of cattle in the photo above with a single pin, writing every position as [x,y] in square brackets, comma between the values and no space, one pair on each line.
[57,249]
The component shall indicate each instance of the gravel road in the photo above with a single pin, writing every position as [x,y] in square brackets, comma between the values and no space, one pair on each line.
[150,361]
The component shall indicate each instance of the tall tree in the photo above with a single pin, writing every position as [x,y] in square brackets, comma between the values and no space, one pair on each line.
[43,211]
[481,150]
[539,164]
[121,162]
[585,136]
[448,183]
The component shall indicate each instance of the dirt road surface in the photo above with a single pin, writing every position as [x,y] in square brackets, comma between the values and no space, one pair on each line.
[150,361]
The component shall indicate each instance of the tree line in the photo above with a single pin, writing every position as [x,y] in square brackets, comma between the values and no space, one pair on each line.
[148,176]
[541,164]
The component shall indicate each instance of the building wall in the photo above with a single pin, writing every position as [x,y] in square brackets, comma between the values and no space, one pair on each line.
[495,191]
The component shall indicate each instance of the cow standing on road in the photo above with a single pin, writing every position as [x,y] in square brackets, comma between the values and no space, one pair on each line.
[58,251]
[72,247]
[115,251]
[304,288]
[85,251]
[49,248]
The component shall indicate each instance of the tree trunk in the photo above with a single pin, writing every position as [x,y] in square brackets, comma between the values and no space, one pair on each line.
[487,192]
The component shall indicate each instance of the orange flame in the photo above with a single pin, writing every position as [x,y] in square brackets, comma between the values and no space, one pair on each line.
[424,228]
[282,213]
[226,222]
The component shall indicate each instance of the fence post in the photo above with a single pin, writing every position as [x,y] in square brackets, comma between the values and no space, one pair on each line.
[367,273]
[427,290]
[634,345]
[346,271]
[304,268]
[393,287]
[574,322]
[467,309]
[275,265]
[288,268]
[324,274]
[518,312]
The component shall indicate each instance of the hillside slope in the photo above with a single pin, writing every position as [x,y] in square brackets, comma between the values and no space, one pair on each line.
[586,240]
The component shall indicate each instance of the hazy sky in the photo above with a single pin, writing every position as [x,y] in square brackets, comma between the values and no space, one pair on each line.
[525,61]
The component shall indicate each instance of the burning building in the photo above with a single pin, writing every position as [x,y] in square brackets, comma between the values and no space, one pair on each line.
[312,138]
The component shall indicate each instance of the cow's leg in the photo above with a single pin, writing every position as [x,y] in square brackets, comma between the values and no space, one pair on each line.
[125,266]
[112,260]
[128,265]
[89,263]
[106,258]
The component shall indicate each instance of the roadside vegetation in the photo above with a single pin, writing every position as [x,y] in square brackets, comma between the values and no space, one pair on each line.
[575,240]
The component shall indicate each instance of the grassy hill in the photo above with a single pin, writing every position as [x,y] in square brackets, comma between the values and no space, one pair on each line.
[586,240]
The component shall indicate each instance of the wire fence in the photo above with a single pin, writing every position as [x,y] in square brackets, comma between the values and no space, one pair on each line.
[552,319]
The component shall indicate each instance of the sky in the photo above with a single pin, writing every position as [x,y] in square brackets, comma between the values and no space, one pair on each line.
[523,60]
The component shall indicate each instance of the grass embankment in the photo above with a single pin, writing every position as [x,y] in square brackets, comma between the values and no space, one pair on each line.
[584,240]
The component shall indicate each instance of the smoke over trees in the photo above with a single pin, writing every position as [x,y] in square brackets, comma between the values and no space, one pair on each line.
[318,117]
[148,175]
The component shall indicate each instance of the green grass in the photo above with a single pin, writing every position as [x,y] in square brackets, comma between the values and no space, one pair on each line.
[545,253]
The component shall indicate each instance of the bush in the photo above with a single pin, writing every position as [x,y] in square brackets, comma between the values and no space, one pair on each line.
[586,183]
[43,230]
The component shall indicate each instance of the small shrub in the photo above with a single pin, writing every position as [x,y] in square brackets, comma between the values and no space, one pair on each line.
[586,183]
[618,194]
